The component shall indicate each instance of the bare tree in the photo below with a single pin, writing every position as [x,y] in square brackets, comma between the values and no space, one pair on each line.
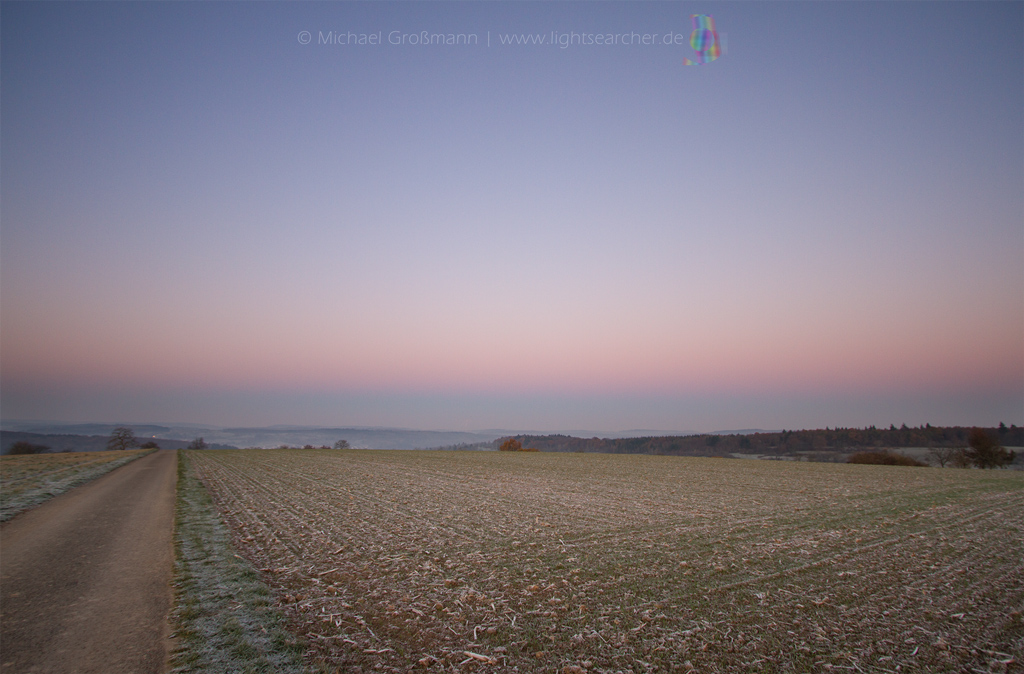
[960,458]
[341,444]
[942,455]
[122,438]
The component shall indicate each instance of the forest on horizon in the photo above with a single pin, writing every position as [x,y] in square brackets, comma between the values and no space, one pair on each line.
[782,443]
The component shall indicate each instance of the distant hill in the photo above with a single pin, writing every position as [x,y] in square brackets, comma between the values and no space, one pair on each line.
[272,436]
[147,430]
[830,443]
[359,438]
[66,442]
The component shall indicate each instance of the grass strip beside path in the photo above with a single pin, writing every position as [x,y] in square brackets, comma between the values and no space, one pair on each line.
[223,617]
[29,480]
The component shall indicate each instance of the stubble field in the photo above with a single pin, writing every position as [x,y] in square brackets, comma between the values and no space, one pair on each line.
[486,561]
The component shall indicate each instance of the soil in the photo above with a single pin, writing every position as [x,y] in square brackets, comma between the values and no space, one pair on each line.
[513,561]
[85,577]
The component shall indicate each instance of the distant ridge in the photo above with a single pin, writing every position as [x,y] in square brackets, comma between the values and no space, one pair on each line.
[82,429]
[68,442]
[292,435]
[636,441]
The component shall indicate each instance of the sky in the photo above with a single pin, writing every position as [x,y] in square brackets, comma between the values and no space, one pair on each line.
[314,213]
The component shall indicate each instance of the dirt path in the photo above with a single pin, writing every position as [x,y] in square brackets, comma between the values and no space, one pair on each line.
[84,578]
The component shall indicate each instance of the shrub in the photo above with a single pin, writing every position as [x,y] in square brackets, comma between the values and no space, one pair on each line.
[960,458]
[884,459]
[986,452]
[23,447]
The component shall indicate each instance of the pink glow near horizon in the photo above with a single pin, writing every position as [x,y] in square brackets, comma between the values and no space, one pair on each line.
[594,356]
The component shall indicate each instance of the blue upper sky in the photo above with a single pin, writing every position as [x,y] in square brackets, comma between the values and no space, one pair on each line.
[217,213]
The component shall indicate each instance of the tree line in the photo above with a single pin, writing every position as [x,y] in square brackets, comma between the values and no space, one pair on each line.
[782,443]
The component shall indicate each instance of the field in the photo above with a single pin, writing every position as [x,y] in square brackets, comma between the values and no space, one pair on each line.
[486,561]
[28,480]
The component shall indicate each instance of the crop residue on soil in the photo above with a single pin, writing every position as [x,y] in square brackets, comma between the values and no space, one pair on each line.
[604,563]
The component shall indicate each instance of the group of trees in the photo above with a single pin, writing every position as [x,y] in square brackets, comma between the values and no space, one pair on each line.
[513,445]
[983,450]
[954,446]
